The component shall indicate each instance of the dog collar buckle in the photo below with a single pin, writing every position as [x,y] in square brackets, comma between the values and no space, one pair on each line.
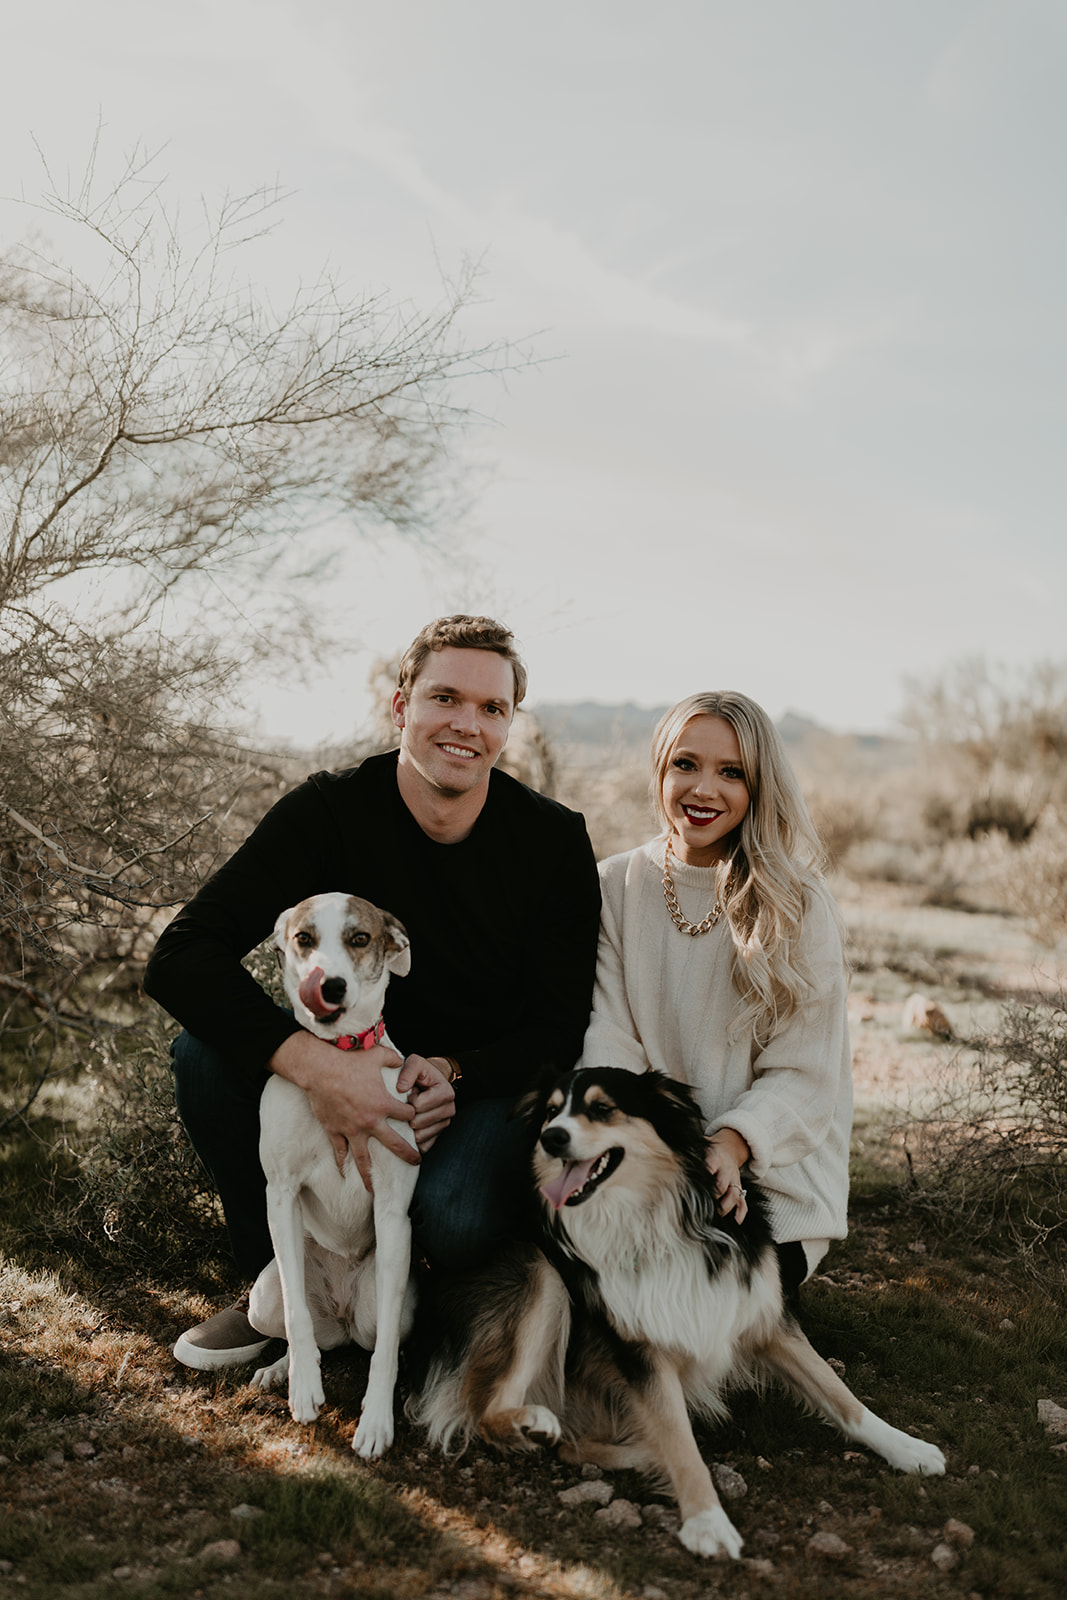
[362,1041]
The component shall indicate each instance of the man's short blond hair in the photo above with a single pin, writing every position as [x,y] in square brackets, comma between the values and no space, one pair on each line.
[461,633]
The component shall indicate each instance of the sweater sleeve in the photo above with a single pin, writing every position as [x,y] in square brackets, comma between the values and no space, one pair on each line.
[612,1038]
[195,970]
[803,1075]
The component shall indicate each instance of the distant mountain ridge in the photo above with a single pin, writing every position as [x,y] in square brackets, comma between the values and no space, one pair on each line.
[625,729]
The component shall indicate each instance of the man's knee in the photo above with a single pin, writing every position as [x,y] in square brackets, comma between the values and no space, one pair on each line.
[471,1188]
[208,1085]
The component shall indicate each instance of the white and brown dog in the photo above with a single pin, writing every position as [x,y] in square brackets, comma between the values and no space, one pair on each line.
[341,1268]
[641,1307]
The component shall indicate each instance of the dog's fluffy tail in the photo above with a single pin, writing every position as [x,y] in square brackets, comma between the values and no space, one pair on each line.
[438,1408]
[488,1340]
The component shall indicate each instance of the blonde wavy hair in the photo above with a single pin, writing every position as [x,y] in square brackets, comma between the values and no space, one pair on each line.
[774,862]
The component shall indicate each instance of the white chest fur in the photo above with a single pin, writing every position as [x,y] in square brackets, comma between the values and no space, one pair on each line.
[659,1285]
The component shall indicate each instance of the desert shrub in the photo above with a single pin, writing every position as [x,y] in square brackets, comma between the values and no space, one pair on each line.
[613,797]
[997,722]
[940,814]
[143,1195]
[999,813]
[172,448]
[1032,879]
[989,1151]
[845,818]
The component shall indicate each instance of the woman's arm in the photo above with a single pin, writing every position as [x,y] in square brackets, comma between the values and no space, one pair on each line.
[804,1072]
[612,1039]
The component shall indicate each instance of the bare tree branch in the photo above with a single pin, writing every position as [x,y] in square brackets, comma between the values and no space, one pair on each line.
[163,426]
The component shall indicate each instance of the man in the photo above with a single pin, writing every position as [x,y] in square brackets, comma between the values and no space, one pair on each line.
[497,888]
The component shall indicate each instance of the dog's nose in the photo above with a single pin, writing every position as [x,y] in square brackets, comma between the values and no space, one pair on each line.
[333,991]
[555,1141]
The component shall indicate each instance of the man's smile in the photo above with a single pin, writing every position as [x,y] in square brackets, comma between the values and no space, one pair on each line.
[462,751]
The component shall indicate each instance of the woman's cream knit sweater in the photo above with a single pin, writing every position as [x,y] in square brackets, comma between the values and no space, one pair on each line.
[665,1000]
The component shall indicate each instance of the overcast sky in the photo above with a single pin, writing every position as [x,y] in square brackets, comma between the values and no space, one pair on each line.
[796,270]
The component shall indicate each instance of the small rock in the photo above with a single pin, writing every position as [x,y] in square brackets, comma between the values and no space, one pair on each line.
[221,1550]
[122,1572]
[652,1591]
[620,1514]
[917,1248]
[729,1483]
[828,1546]
[1054,1418]
[591,1470]
[595,1491]
[759,1566]
[54,1458]
[944,1558]
[246,1513]
[6,1567]
[660,1516]
[769,1538]
[83,1448]
[836,1365]
[926,1016]
[958,1533]
[1006,1325]
[764,1465]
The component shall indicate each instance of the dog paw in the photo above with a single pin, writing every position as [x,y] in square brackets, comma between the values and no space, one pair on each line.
[271,1377]
[918,1456]
[373,1436]
[306,1400]
[711,1533]
[900,1449]
[539,1425]
[520,1427]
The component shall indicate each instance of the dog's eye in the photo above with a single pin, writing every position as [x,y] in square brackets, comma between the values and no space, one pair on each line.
[303,939]
[359,940]
[599,1111]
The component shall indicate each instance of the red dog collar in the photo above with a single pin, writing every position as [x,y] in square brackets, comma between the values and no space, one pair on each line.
[362,1041]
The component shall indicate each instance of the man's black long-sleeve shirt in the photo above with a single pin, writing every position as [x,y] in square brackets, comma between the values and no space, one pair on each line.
[503,925]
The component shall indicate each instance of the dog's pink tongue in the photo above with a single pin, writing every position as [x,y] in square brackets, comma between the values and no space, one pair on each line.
[310,992]
[571,1178]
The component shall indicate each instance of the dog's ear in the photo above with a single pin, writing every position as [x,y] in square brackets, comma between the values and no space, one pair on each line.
[280,929]
[677,1110]
[398,946]
[531,1106]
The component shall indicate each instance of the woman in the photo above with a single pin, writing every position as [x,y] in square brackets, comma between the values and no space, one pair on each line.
[720,963]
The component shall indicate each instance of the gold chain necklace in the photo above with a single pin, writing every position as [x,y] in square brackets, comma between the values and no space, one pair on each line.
[692,928]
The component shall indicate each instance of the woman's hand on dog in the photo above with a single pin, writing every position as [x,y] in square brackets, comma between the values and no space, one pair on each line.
[724,1156]
[425,1080]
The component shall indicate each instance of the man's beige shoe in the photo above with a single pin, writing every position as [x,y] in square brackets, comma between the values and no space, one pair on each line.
[224,1340]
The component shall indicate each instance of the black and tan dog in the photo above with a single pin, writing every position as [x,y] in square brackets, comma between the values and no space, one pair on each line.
[638,1307]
